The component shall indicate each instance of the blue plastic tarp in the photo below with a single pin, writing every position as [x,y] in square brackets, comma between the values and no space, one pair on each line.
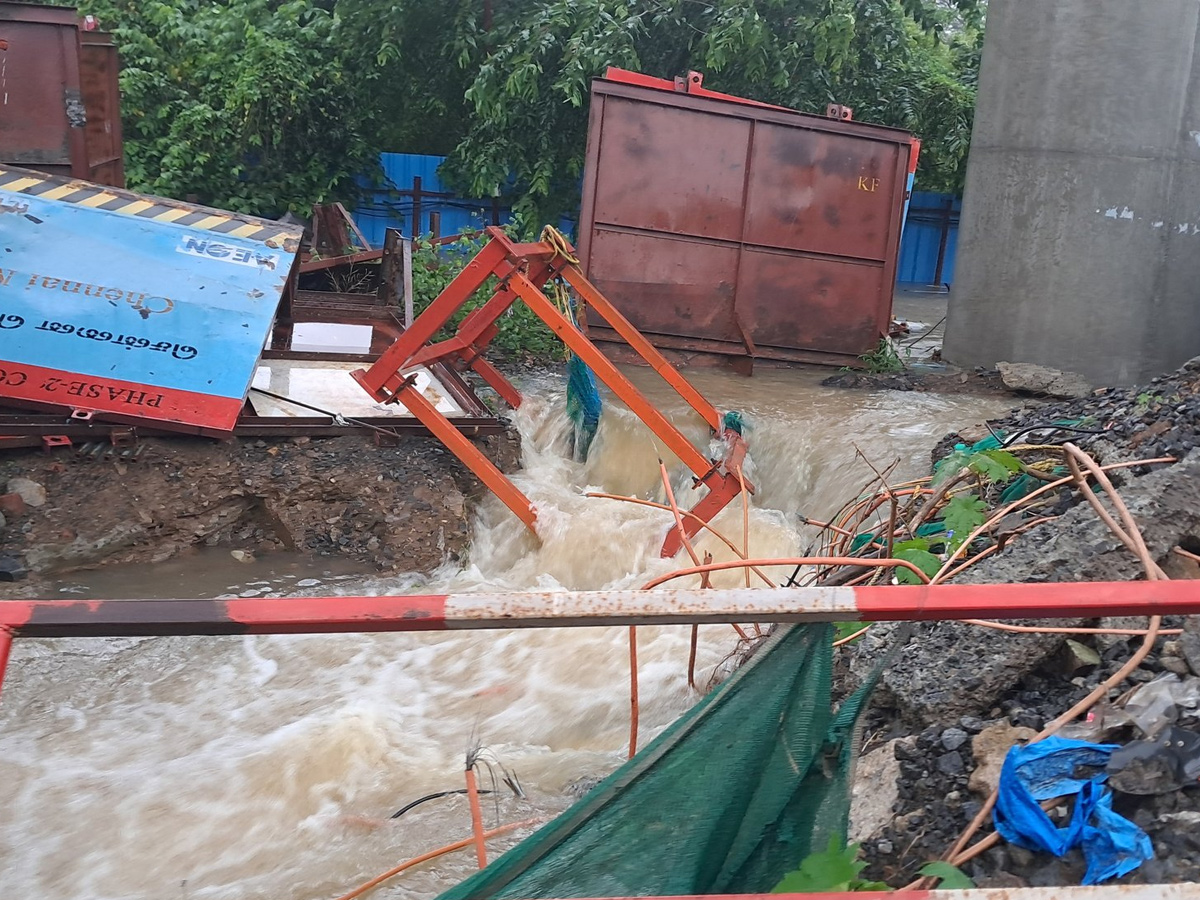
[1112,845]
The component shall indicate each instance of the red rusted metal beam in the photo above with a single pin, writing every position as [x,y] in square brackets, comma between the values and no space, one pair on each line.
[437,612]
[692,83]
[330,262]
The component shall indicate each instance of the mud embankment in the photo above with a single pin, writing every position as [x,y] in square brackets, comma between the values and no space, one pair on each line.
[403,508]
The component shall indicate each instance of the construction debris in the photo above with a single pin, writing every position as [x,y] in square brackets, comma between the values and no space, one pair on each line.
[522,271]
[1000,687]
[1028,378]
[401,508]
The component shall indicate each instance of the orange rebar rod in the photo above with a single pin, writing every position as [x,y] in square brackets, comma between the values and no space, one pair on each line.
[476,818]
[689,514]
[633,691]
[745,521]
[1016,504]
[1037,629]
[666,481]
[433,854]
[790,561]
[1186,554]
[694,646]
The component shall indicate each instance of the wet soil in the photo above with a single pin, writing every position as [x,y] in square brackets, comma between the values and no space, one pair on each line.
[948,382]
[403,508]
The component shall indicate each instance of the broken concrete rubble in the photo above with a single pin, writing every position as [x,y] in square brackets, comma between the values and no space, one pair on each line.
[955,677]
[30,492]
[953,669]
[988,750]
[875,791]
[1028,378]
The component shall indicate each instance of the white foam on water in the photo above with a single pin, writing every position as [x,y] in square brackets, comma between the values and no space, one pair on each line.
[266,767]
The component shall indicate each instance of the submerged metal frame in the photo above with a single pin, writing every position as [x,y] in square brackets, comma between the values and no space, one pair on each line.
[522,271]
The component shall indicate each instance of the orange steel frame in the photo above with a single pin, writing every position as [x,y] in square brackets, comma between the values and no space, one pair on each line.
[522,270]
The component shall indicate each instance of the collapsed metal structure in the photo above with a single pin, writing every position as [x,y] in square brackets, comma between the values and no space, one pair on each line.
[522,271]
[111,359]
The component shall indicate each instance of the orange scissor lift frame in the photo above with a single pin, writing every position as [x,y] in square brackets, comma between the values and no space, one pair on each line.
[522,270]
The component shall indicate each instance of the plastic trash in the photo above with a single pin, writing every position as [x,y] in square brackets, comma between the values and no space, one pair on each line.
[1160,766]
[1162,702]
[1058,767]
[1102,722]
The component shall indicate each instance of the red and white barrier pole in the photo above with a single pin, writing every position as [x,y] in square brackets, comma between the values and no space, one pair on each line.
[438,612]
[6,639]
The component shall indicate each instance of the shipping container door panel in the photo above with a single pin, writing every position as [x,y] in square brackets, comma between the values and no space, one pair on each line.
[37,68]
[648,170]
[821,193]
[668,286]
[805,303]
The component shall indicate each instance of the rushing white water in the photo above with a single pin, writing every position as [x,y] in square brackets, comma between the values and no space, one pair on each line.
[266,767]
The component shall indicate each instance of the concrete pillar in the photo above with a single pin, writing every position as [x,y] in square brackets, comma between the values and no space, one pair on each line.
[1079,243]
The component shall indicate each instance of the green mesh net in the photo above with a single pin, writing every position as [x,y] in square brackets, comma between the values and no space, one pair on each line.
[727,800]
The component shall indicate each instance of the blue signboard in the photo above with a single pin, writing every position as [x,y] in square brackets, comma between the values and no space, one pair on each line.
[118,303]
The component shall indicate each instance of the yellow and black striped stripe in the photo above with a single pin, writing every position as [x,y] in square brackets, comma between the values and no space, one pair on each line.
[143,206]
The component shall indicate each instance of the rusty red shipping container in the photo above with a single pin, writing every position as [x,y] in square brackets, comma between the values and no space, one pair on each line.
[59,95]
[722,226]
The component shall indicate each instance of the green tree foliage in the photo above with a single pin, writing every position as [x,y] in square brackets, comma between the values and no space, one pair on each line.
[908,64]
[252,105]
[267,105]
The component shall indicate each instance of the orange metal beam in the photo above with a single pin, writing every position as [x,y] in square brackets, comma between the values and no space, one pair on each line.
[721,491]
[622,326]
[611,376]
[384,378]
[496,379]
[438,351]
[470,455]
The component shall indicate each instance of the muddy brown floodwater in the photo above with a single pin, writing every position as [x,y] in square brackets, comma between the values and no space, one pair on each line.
[266,767]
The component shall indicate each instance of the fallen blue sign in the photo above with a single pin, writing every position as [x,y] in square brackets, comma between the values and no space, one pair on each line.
[133,307]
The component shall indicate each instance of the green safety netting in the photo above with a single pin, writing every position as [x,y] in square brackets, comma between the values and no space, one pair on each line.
[728,799]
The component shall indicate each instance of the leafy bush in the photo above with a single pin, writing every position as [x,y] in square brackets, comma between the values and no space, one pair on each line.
[522,334]
[834,869]
[256,106]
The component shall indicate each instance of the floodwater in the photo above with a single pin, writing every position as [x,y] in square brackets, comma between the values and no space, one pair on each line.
[267,767]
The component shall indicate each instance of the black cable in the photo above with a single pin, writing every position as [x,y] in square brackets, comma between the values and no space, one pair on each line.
[924,334]
[402,810]
[1008,441]
[335,416]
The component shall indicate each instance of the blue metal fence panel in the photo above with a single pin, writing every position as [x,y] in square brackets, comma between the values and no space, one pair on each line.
[116,302]
[393,204]
[930,231]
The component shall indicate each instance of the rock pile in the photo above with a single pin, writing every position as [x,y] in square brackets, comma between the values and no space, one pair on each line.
[959,696]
